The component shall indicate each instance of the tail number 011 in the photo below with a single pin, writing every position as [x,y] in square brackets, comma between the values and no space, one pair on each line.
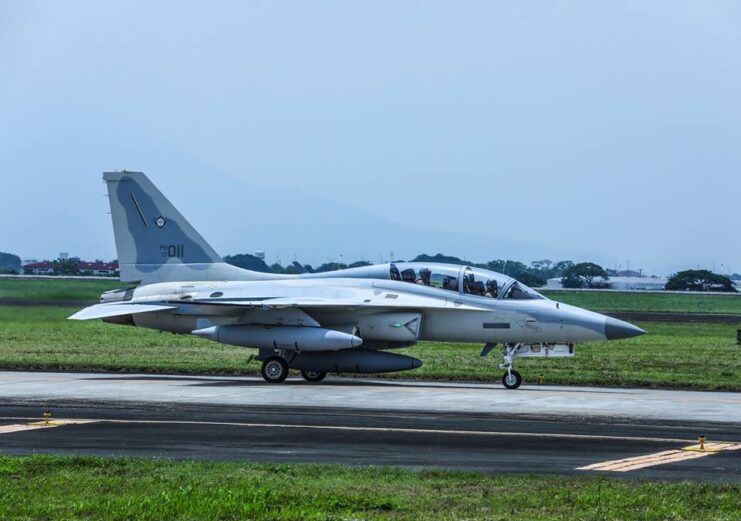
[171,250]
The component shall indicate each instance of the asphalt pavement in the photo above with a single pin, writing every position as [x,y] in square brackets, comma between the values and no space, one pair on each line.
[536,429]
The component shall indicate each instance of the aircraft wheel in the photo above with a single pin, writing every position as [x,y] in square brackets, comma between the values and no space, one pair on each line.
[313,376]
[512,380]
[274,370]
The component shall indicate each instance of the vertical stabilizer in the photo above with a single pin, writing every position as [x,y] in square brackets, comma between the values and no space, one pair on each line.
[154,242]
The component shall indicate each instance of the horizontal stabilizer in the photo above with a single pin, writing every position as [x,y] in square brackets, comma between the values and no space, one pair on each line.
[117,309]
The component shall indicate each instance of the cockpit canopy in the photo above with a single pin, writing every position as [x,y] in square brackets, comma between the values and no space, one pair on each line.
[462,279]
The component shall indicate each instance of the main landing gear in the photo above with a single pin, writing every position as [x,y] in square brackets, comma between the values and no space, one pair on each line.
[313,376]
[275,370]
[511,379]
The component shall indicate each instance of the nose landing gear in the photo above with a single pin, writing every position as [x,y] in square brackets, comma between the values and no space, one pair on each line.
[511,379]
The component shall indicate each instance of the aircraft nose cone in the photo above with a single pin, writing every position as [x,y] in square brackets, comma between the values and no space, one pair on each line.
[616,329]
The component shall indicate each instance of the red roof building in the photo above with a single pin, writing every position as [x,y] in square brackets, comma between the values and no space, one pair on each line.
[38,268]
[85,268]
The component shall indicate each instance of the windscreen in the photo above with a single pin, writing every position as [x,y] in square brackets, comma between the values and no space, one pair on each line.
[519,291]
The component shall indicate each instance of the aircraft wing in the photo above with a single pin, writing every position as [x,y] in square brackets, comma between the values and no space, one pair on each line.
[116,309]
[398,301]
[379,301]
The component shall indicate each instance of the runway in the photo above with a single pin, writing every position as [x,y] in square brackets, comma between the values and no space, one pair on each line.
[536,429]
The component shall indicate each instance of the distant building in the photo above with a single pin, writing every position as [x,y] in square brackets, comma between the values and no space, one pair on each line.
[624,273]
[623,283]
[97,268]
[38,268]
[103,269]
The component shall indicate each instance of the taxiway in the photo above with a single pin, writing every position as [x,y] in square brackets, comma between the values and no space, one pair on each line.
[412,424]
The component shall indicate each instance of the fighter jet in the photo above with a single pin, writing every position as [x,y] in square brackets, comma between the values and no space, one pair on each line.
[344,321]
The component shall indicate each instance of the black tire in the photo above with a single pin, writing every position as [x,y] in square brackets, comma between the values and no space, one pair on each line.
[274,370]
[512,383]
[313,376]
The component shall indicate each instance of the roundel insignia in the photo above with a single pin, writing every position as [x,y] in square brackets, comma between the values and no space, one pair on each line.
[160,221]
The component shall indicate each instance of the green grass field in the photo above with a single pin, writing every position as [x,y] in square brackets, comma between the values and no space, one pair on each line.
[55,289]
[686,355]
[654,302]
[44,487]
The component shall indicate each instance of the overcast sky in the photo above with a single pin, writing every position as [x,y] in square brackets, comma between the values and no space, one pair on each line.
[607,131]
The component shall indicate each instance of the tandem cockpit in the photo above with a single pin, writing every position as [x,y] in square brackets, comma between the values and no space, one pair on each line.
[462,279]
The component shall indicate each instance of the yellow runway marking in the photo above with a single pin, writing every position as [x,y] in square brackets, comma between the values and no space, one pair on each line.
[21,427]
[659,458]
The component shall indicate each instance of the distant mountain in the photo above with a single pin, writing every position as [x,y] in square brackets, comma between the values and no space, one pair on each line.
[287,223]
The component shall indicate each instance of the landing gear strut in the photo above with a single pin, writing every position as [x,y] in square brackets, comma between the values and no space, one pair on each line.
[511,379]
[274,369]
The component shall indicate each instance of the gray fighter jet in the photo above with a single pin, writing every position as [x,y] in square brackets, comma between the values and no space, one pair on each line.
[344,321]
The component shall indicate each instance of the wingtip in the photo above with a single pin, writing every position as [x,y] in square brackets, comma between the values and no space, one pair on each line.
[77,315]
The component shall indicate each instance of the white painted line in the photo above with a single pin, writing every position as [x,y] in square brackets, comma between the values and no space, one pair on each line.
[594,466]
[659,458]
[4,429]
[640,462]
[21,427]
[714,447]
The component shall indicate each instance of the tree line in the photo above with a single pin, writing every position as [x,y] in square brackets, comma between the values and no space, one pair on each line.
[572,275]
[9,263]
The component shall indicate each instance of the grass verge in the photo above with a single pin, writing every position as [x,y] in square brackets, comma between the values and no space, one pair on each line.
[56,289]
[654,302]
[681,355]
[47,487]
